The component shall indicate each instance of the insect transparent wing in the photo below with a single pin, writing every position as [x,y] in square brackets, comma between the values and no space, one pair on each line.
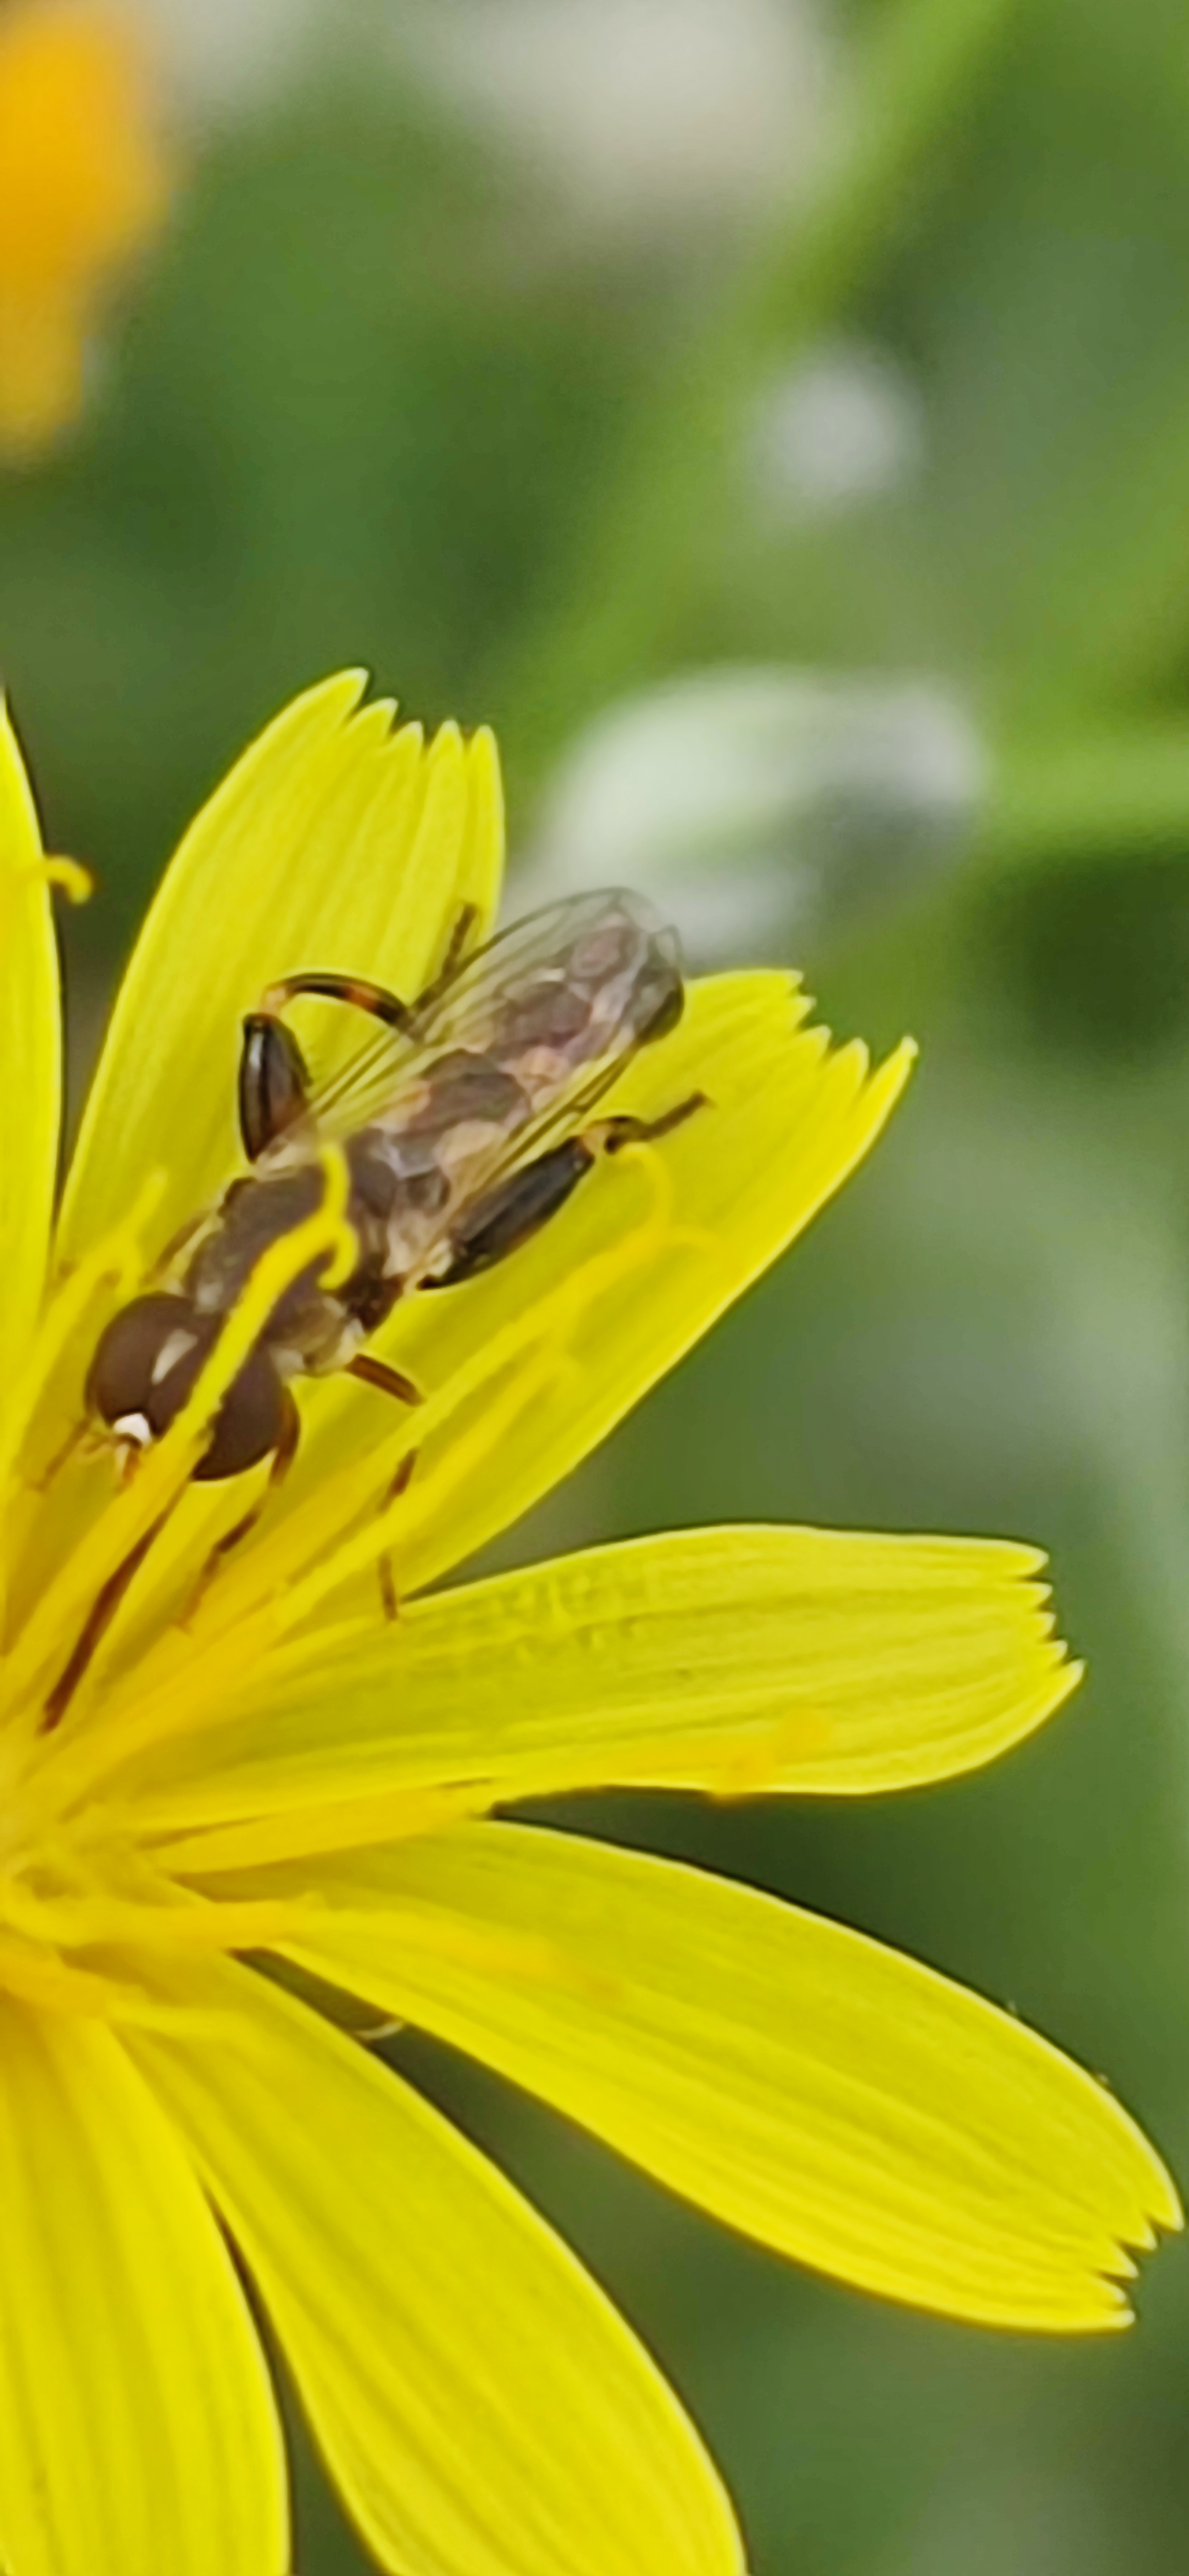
[504,1058]
[528,990]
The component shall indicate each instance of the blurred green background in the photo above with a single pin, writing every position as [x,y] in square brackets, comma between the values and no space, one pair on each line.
[772,378]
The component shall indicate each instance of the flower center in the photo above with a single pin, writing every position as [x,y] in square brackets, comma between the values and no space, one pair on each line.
[79,1901]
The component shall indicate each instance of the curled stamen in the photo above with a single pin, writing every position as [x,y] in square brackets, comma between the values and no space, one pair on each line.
[76,881]
[337,1177]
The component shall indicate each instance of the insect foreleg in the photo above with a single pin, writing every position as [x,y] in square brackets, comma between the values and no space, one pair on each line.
[375,999]
[509,1214]
[273,1082]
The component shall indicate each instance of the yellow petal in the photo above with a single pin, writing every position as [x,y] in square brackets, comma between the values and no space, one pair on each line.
[529,1367]
[726,1659]
[335,844]
[551,1349]
[801,2082]
[30,1056]
[479,2403]
[137,2426]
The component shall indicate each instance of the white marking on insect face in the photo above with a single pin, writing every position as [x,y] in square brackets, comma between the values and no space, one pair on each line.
[134,1427]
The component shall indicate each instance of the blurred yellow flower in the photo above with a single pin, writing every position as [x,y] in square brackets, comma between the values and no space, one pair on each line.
[250,1827]
[83,181]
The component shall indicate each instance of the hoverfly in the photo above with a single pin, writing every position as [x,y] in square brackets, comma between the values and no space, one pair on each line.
[466,1121]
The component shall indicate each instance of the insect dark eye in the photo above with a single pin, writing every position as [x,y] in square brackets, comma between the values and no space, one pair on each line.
[146,1366]
[249,1420]
[138,1359]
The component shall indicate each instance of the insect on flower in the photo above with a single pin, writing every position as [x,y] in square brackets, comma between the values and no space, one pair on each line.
[465,1124]
[236,1838]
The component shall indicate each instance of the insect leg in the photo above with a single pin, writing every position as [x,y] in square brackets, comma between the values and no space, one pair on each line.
[278,1468]
[509,1214]
[170,1256]
[456,947]
[373,1372]
[614,1133]
[389,1597]
[355,989]
[274,1082]
[514,1210]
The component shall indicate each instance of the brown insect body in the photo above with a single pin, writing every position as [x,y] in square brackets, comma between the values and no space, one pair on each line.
[461,1125]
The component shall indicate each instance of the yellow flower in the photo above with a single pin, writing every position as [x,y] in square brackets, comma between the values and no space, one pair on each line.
[82,184]
[252,1812]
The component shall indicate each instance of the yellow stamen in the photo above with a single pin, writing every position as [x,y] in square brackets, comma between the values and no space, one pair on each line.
[403,1815]
[337,1177]
[40,1977]
[47,1639]
[115,1263]
[183,1682]
[758,1758]
[308,1535]
[70,1922]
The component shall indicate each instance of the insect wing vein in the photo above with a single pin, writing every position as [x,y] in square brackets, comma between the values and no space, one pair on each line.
[509,998]
[513,1051]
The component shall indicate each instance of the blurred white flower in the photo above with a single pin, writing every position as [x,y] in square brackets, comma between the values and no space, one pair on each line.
[751,803]
[227,55]
[841,427]
[644,109]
